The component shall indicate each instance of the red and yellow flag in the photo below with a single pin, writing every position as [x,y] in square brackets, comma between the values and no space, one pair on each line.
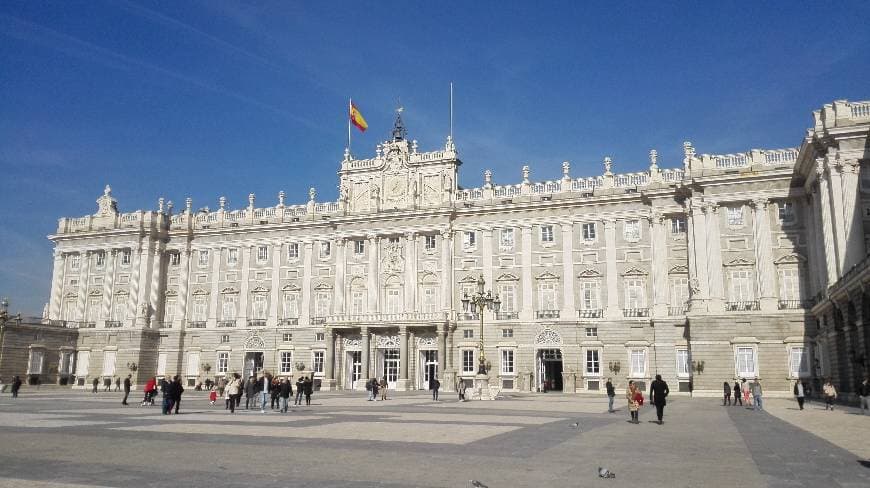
[357,119]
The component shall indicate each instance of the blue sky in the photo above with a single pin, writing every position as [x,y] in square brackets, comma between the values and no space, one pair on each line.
[207,98]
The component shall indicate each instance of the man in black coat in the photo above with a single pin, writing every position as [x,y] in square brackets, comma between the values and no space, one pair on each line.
[16,385]
[285,389]
[177,390]
[126,389]
[658,392]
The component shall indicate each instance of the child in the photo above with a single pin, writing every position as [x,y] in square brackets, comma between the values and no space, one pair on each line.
[212,396]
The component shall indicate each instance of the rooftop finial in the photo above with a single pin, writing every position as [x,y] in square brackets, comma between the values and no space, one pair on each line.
[566,169]
[107,191]
[222,201]
[608,165]
[312,194]
[188,204]
[653,159]
[399,131]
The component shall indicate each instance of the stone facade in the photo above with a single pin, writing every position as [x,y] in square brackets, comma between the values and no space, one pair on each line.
[702,273]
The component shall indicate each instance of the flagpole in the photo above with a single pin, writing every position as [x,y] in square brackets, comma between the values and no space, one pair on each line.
[451,110]
[349,108]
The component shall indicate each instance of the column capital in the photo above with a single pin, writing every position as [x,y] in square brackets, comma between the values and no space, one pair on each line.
[403,329]
[373,237]
[710,207]
[410,235]
[447,234]
[760,203]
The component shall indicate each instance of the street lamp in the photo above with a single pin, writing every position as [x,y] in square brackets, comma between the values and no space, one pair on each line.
[477,303]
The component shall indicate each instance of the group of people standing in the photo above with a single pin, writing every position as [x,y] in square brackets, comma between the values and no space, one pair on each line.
[749,393]
[171,390]
[658,393]
[275,391]
[376,387]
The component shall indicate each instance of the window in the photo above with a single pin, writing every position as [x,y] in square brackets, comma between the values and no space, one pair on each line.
[593,362]
[634,294]
[175,258]
[735,216]
[259,306]
[678,225]
[631,230]
[547,296]
[286,362]
[228,307]
[468,333]
[588,232]
[638,363]
[101,259]
[468,361]
[223,362]
[429,243]
[292,251]
[203,258]
[591,331]
[468,241]
[430,300]
[546,233]
[742,288]
[287,337]
[225,339]
[508,296]
[393,300]
[169,310]
[507,361]
[125,257]
[506,239]
[199,309]
[746,367]
[93,310]
[359,247]
[786,212]
[75,262]
[321,304]
[325,249]
[119,310]
[36,360]
[507,333]
[789,284]
[291,305]
[797,362]
[262,254]
[589,295]
[679,291]
[319,336]
[682,363]
[317,367]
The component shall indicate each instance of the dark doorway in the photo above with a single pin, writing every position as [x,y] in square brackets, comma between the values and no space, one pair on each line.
[549,370]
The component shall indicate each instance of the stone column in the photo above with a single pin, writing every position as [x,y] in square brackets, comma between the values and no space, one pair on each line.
[697,236]
[328,382]
[527,306]
[830,248]
[442,348]
[835,170]
[569,310]
[275,291]
[155,286]
[716,285]
[612,311]
[763,256]
[372,286]
[447,270]
[84,270]
[133,298]
[659,252]
[108,284]
[853,219]
[410,271]
[244,286]
[214,312]
[183,287]
[486,258]
[143,298]
[58,273]
[813,227]
[340,266]
[402,383]
[305,306]
[365,341]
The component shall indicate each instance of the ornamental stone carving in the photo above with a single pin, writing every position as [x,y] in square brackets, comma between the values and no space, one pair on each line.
[394,261]
[352,342]
[428,341]
[548,337]
[254,342]
[388,342]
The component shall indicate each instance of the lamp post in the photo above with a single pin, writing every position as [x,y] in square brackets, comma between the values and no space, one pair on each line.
[477,303]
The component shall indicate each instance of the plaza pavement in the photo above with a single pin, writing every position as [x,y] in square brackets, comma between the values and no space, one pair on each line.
[57,438]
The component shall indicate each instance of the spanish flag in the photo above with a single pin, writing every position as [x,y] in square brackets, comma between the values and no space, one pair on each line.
[357,119]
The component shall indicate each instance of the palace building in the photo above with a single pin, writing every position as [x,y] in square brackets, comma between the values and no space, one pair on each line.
[746,265]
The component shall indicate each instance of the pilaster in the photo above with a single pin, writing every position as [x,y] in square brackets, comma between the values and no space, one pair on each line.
[155,285]
[659,258]
[612,310]
[410,290]
[305,308]
[84,269]
[275,288]
[715,276]
[133,298]
[698,280]
[835,170]
[372,286]
[214,312]
[328,382]
[340,268]
[527,306]
[442,348]
[763,256]
[852,218]
[402,383]
[447,270]
[244,287]
[365,340]
[569,310]
[57,279]
[108,284]
[183,288]
[830,247]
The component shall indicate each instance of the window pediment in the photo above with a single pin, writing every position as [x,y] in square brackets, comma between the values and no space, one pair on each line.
[469,279]
[322,286]
[428,278]
[507,277]
[679,269]
[95,292]
[228,290]
[171,293]
[635,272]
[260,289]
[740,262]
[791,258]
[290,287]
[200,292]
[546,276]
[589,273]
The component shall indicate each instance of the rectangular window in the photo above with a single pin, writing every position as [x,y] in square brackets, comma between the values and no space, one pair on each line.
[682,363]
[291,305]
[678,225]
[507,333]
[175,259]
[588,232]
[287,337]
[506,239]
[203,258]
[292,251]
[468,241]
[223,362]
[228,307]
[679,291]
[635,297]
[508,296]
[547,233]
[259,306]
[786,212]
[93,310]
[746,367]
[468,333]
[321,304]
[199,309]
[125,257]
[325,249]
[593,362]
[589,295]
[742,286]
[225,339]
[429,243]
[262,254]
[430,299]
[468,361]
[735,216]
[119,310]
[36,360]
[507,361]
[638,363]
[394,300]
[357,302]
[317,367]
[169,310]
[547,296]
[286,362]
[319,336]
[798,365]
[75,262]
[789,284]
[631,230]
[591,331]
[232,256]
[101,259]
[359,247]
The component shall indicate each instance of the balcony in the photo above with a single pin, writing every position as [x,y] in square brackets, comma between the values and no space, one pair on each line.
[546,314]
[163,325]
[256,322]
[742,306]
[113,324]
[290,321]
[469,316]
[507,316]
[318,320]
[196,325]
[794,304]
[590,313]
[226,323]
[87,325]
[678,310]
[635,312]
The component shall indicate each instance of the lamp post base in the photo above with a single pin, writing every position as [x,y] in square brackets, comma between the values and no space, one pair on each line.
[481,389]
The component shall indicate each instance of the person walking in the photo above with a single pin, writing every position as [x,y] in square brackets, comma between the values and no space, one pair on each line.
[107,384]
[375,389]
[738,395]
[747,397]
[285,389]
[274,394]
[726,392]
[118,384]
[369,391]
[830,394]
[16,385]
[177,390]
[460,388]
[383,388]
[265,384]
[611,394]
[234,390]
[150,390]
[212,396]
[756,395]
[166,389]
[799,393]
[126,389]
[308,385]
[300,390]
[250,392]
[658,393]
[635,399]
[864,396]
[96,384]
[435,384]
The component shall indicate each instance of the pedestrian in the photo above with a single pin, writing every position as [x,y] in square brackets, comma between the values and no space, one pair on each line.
[308,385]
[126,389]
[369,390]
[274,392]
[799,393]
[118,384]
[234,392]
[212,396]
[756,394]
[166,389]
[611,394]
[250,391]
[96,383]
[177,390]
[148,390]
[16,385]
[435,386]
[864,395]
[383,388]
[107,384]
[300,390]
[265,384]
[460,388]
[745,389]
[374,382]
[285,389]
[635,400]
[738,396]
[658,393]
[726,391]
[830,394]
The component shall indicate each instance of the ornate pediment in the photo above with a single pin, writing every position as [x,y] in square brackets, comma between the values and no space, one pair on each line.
[322,286]
[589,273]
[71,294]
[254,342]
[122,293]
[469,279]
[548,337]
[679,269]
[260,289]
[393,261]
[791,258]
[353,342]
[427,341]
[633,271]
[95,292]
[740,262]
[200,292]
[507,277]
[546,275]
[171,292]
[428,278]
[229,290]
[290,287]
[388,342]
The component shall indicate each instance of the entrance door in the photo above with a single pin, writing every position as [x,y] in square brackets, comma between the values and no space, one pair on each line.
[391,367]
[253,364]
[429,360]
[549,370]
[354,373]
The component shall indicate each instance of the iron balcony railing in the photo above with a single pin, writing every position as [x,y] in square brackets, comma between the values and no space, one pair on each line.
[257,323]
[507,316]
[635,312]
[547,314]
[111,324]
[742,306]
[318,320]
[678,310]
[590,313]
[196,324]
[226,323]
[469,316]
[795,304]
[290,321]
